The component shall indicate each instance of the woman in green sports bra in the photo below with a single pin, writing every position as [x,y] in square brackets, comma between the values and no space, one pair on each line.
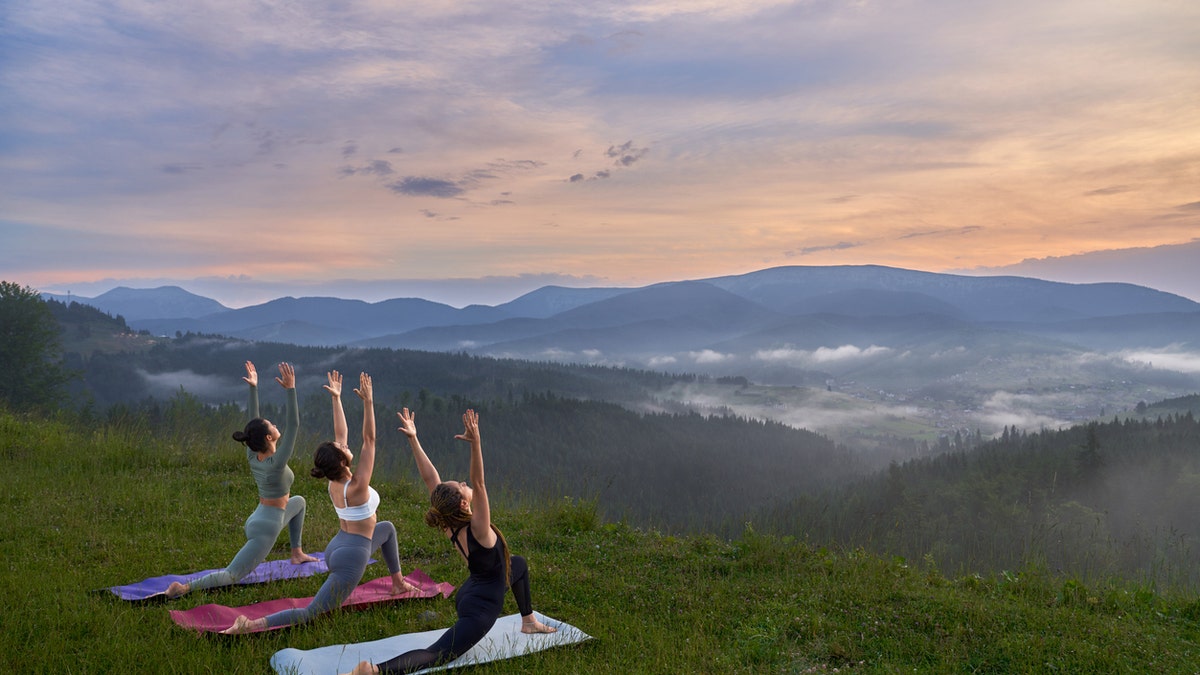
[267,452]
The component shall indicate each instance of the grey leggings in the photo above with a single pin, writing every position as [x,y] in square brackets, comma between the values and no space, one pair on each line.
[262,529]
[346,556]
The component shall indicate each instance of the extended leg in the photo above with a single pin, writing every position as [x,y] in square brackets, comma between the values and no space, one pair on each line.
[347,557]
[262,529]
[460,637]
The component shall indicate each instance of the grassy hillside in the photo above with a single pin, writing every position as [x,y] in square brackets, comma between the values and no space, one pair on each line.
[88,506]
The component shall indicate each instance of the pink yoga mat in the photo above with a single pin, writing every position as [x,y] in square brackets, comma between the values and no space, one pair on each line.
[216,618]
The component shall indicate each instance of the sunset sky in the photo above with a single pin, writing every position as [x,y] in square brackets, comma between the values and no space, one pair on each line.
[249,149]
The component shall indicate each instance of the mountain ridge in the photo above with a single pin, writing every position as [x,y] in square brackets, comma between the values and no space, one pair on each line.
[555,321]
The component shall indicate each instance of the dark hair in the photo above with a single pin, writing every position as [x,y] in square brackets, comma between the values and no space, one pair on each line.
[446,513]
[254,436]
[329,461]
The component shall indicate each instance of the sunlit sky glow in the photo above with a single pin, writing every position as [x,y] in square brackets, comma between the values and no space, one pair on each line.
[286,145]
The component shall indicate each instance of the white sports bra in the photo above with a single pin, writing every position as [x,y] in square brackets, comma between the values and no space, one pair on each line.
[360,512]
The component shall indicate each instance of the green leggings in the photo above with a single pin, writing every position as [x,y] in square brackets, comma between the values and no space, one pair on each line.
[262,529]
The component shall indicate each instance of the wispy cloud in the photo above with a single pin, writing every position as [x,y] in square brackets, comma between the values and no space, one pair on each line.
[426,187]
[1023,411]
[821,355]
[809,250]
[375,167]
[166,384]
[1107,191]
[709,356]
[625,154]
[968,229]
[1166,359]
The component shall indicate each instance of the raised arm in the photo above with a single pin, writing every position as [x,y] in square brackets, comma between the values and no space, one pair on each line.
[366,456]
[251,379]
[481,514]
[429,473]
[287,441]
[341,432]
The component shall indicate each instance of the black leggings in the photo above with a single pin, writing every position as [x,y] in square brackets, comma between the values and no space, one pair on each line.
[479,603]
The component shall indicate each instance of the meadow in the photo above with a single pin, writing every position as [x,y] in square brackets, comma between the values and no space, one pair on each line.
[91,503]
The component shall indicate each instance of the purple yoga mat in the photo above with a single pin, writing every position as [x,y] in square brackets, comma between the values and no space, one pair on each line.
[216,618]
[272,570]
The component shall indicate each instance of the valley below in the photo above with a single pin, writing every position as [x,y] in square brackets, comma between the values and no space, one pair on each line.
[872,407]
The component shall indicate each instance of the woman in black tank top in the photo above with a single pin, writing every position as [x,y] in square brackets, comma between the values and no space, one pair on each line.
[461,511]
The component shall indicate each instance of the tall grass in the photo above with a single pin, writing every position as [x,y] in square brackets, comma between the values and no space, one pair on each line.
[88,505]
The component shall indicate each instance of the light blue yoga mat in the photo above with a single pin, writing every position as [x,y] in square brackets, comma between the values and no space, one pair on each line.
[504,641]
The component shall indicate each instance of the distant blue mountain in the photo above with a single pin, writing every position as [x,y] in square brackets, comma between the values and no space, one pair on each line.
[768,309]
[636,320]
[135,304]
[550,300]
[325,321]
[793,290]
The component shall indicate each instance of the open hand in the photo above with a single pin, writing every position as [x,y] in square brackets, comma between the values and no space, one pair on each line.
[287,376]
[470,427]
[335,383]
[408,423]
[251,377]
[364,387]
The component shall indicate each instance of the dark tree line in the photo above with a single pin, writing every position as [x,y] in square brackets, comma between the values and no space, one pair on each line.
[1099,500]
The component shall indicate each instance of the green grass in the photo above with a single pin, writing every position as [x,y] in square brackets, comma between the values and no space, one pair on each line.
[89,507]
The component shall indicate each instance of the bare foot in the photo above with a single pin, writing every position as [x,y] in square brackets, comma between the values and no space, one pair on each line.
[299,556]
[241,625]
[177,589]
[364,668]
[404,587]
[535,626]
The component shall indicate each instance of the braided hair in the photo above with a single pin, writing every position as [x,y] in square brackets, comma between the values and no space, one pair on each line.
[446,513]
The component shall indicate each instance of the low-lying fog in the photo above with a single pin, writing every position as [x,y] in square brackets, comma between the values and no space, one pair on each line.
[853,392]
[861,394]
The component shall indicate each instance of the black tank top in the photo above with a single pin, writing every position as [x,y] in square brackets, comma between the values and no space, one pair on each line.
[482,562]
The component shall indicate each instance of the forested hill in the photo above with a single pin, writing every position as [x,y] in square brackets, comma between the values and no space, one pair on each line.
[85,329]
[551,431]
[1118,498]
[672,472]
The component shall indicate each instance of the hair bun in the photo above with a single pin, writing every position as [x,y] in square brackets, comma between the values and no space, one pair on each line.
[316,472]
[240,436]
[433,518]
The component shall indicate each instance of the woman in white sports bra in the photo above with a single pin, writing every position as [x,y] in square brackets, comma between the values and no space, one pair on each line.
[355,501]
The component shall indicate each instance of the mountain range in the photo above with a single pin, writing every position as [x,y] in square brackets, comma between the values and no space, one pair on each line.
[794,307]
